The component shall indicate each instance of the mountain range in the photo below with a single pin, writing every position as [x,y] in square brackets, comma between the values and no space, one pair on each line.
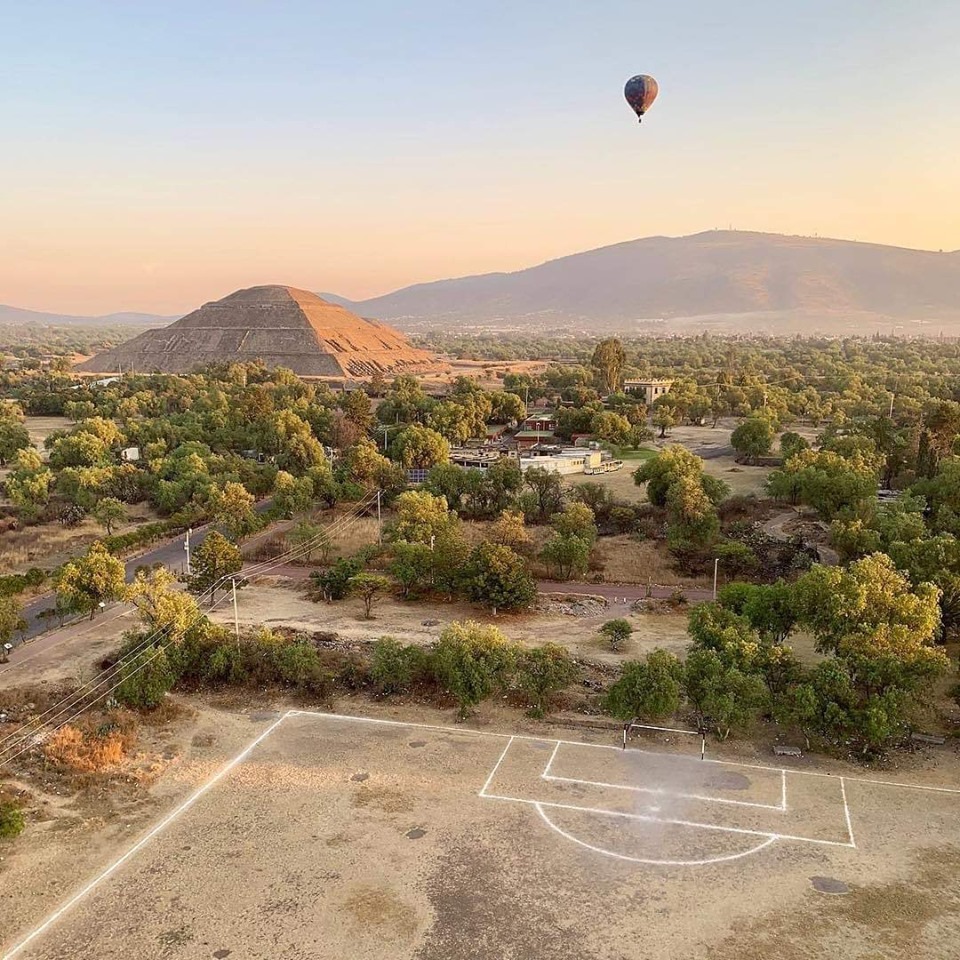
[17,315]
[723,281]
[730,281]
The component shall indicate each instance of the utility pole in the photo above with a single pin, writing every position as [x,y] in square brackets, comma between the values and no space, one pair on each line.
[186,547]
[236,618]
[716,566]
[379,521]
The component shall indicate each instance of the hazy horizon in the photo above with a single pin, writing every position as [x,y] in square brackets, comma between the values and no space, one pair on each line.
[163,158]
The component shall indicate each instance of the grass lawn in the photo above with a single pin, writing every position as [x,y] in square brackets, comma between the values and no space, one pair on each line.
[628,453]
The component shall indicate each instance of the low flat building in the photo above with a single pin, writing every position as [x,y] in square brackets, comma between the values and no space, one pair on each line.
[569,461]
[647,390]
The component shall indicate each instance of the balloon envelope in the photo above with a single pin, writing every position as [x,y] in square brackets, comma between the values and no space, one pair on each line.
[640,92]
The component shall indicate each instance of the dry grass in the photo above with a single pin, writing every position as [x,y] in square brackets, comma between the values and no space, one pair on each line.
[50,544]
[624,559]
[88,748]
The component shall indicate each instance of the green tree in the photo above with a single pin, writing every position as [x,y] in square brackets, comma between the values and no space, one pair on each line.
[233,508]
[542,673]
[212,562]
[421,448]
[753,437]
[14,437]
[547,490]
[567,555]
[370,588]
[650,689]
[617,632]
[109,513]
[576,520]
[664,419]
[162,606]
[499,577]
[611,428]
[722,694]
[608,361]
[791,444]
[675,463]
[95,578]
[11,619]
[146,674]
[472,660]
[421,517]
[412,566]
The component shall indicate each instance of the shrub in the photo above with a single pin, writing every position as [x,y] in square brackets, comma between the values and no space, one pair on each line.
[617,632]
[298,665]
[543,672]
[11,820]
[472,660]
[395,667]
[146,678]
[649,689]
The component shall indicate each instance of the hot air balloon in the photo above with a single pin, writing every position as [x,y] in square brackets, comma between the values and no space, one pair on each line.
[640,92]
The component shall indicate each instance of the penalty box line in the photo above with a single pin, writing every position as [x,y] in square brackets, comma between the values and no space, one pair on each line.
[771,835]
[605,746]
[664,792]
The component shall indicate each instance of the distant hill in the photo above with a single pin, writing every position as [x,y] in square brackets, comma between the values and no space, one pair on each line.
[19,315]
[729,281]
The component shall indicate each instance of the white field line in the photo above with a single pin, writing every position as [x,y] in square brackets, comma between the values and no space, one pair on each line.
[496,767]
[142,842]
[662,792]
[606,746]
[846,812]
[646,818]
[656,863]
[546,770]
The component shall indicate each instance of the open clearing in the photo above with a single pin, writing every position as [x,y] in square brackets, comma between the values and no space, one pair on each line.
[341,837]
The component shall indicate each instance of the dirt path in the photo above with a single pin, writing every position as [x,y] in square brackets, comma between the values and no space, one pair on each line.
[776,528]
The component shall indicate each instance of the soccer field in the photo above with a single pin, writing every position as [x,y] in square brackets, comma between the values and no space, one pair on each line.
[338,837]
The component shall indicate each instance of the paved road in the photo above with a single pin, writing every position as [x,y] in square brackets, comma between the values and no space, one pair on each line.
[170,553]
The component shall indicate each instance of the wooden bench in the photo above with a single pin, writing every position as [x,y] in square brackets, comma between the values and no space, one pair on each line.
[782,750]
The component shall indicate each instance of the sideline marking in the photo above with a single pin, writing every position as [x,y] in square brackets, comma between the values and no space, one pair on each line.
[496,767]
[656,863]
[142,842]
[846,812]
[606,746]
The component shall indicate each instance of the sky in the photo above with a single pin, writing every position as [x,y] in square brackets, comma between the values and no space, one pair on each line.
[156,156]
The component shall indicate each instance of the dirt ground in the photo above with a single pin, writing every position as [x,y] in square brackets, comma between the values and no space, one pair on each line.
[40,428]
[710,443]
[333,838]
[283,604]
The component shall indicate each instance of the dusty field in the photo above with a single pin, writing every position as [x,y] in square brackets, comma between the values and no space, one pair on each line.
[337,839]
[50,544]
[710,443]
[285,606]
[40,428]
